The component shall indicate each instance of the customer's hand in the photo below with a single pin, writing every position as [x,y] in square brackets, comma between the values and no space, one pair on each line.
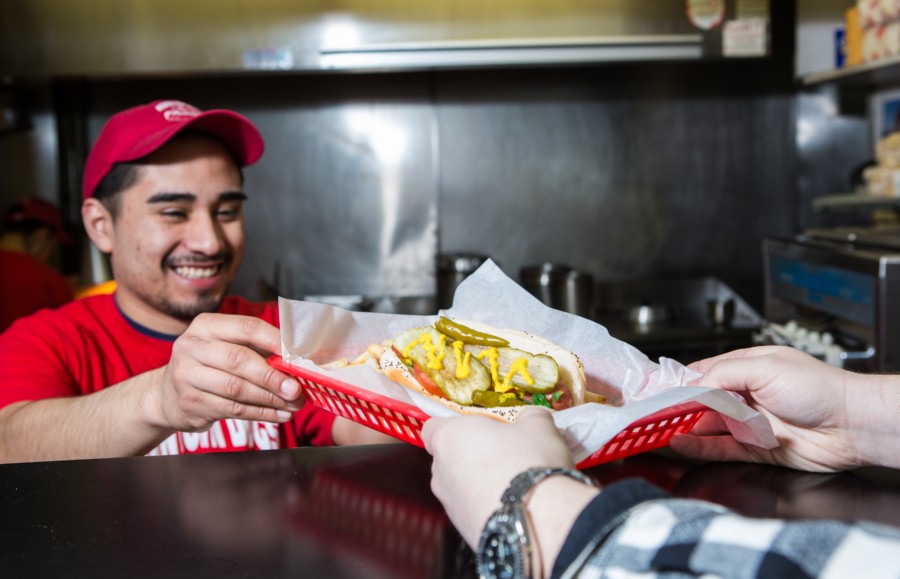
[475,458]
[218,370]
[806,401]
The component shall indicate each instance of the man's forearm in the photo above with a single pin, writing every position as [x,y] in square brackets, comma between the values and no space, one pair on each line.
[117,421]
[345,432]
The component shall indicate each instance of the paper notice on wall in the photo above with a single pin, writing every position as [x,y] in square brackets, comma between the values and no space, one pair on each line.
[745,37]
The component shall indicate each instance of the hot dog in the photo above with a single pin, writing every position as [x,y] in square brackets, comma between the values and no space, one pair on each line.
[475,368]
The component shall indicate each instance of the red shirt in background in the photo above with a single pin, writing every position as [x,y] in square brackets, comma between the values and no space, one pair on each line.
[89,345]
[28,285]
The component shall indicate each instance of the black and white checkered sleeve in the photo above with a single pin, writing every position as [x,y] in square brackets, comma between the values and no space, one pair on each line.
[638,531]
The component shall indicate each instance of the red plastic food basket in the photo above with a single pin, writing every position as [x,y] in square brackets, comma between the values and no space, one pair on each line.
[404,421]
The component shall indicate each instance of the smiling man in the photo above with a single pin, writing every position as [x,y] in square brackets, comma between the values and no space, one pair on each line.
[169,364]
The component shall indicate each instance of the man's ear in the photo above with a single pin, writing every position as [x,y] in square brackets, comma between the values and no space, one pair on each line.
[98,222]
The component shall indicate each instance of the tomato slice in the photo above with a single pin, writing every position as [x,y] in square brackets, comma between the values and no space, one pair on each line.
[559,399]
[423,378]
[427,383]
[564,401]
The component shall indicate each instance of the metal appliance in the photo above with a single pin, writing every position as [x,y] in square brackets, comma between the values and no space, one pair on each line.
[683,319]
[452,269]
[559,286]
[836,295]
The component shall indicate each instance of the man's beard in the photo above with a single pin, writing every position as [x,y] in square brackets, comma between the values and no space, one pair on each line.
[206,302]
[187,312]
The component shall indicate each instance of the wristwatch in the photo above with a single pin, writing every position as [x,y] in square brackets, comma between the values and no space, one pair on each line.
[505,548]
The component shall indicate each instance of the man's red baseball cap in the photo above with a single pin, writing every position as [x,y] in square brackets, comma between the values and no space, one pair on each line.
[136,132]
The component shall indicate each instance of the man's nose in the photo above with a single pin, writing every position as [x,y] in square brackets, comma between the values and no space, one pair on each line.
[203,234]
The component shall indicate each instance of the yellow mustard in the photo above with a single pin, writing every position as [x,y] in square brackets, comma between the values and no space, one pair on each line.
[491,354]
[520,366]
[462,361]
[434,352]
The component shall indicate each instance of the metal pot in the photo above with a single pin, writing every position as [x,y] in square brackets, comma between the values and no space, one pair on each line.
[560,287]
[720,312]
[647,315]
[452,269]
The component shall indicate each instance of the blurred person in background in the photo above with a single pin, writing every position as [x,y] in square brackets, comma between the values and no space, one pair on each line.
[30,235]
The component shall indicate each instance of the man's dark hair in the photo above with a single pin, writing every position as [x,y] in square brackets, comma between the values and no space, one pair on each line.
[124,175]
[120,177]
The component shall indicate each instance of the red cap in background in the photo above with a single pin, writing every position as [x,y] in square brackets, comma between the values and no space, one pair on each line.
[40,211]
[136,132]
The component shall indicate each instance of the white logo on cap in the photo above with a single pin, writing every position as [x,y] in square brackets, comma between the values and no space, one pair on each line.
[176,111]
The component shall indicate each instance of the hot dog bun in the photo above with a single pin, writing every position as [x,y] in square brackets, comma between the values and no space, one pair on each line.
[571,371]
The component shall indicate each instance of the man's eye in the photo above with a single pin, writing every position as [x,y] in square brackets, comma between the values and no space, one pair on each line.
[231,213]
[174,213]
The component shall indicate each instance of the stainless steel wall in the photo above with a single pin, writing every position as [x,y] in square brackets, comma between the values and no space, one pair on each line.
[627,172]
[344,199]
[624,172]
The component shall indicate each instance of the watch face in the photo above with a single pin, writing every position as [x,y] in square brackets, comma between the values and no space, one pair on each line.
[499,559]
[502,551]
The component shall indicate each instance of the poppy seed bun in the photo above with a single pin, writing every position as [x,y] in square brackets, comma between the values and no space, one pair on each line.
[571,371]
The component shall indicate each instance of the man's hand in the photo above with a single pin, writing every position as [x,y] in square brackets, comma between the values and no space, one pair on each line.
[807,402]
[218,370]
[476,457]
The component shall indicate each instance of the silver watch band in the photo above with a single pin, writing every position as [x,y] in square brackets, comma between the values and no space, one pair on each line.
[505,548]
[523,482]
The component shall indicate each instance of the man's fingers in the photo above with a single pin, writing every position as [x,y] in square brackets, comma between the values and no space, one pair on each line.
[710,423]
[431,430]
[234,388]
[742,354]
[712,448]
[214,408]
[244,330]
[241,363]
[435,429]
[734,375]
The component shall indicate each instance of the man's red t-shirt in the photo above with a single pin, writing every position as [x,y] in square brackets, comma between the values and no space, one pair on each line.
[28,285]
[89,344]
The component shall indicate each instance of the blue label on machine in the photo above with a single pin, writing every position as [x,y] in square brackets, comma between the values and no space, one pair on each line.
[839,292]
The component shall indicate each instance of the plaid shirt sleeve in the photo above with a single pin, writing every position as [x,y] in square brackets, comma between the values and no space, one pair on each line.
[633,529]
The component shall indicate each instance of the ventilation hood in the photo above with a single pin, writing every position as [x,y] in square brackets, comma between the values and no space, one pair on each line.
[109,37]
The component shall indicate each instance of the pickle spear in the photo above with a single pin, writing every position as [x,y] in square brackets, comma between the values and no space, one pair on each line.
[435,354]
[491,399]
[527,372]
[467,335]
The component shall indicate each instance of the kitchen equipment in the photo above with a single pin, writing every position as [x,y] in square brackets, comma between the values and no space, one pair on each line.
[836,300]
[406,305]
[560,287]
[453,268]
[720,311]
[354,303]
[409,305]
[647,314]
[404,421]
[684,319]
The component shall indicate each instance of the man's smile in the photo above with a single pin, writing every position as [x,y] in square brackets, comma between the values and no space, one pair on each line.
[197,271]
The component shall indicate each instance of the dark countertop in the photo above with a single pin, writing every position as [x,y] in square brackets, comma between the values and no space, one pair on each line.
[326,512]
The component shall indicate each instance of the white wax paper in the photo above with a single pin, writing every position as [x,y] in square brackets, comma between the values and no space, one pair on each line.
[315,333]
